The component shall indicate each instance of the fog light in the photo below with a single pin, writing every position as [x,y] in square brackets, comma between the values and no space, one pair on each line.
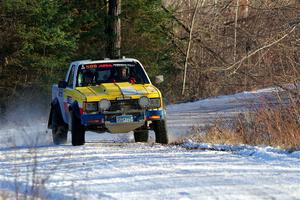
[144,102]
[104,104]
[155,103]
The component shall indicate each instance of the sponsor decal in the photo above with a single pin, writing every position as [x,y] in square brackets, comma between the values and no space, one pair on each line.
[131,91]
[91,66]
[60,92]
[69,99]
[66,106]
[124,65]
[107,65]
[95,66]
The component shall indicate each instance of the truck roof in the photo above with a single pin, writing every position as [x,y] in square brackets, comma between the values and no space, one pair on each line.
[104,61]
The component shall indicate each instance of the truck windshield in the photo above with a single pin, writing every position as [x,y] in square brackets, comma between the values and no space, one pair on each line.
[96,74]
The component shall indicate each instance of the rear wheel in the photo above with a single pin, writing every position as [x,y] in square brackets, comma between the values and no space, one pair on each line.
[59,129]
[160,129]
[141,136]
[77,130]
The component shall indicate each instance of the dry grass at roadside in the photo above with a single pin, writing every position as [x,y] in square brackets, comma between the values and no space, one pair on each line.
[277,126]
[4,195]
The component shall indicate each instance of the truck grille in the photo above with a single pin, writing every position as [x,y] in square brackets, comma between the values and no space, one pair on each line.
[125,105]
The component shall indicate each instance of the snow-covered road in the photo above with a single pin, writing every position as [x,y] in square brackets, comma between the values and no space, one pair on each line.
[139,171]
[113,167]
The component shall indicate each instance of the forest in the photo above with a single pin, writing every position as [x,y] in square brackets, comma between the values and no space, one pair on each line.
[203,48]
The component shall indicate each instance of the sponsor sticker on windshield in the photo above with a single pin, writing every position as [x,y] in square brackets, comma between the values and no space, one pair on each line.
[107,65]
[95,66]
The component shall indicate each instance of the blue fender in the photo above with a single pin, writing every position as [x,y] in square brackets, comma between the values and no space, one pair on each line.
[55,108]
[75,108]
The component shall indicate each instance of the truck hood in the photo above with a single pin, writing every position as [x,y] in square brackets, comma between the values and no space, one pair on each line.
[112,91]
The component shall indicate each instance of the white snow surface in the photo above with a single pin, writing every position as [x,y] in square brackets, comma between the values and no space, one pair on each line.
[114,167]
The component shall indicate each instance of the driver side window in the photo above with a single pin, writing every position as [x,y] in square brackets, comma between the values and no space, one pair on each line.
[71,77]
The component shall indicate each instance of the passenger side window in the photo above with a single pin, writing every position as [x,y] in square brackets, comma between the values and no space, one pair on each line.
[71,77]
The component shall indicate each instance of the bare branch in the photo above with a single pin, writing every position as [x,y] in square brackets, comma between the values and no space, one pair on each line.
[176,19]
[189,45]
[239,63]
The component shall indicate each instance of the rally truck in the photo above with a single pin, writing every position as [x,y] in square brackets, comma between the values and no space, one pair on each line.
[114,96]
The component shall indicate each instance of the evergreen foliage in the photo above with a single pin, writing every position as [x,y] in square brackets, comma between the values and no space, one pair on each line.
[229,49]
[144,27]
[39,38]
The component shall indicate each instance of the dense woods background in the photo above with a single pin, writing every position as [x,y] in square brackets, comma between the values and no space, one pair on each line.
[223,46]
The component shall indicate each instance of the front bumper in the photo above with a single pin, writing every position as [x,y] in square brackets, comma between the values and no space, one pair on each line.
[100,119]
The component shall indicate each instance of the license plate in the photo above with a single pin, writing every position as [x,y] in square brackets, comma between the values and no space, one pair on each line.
[124,119]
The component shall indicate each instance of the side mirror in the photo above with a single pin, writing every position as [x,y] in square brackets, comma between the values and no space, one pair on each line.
[62,84]
[159,79]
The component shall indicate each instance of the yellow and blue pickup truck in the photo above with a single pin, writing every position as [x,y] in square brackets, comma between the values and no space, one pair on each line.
[113,96]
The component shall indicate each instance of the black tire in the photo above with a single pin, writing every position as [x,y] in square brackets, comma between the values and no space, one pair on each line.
[77,131]
[141,136]
[59,129]
[161,134]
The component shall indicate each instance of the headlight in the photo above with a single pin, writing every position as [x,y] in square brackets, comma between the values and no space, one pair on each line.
[104,104]
[155,103]
[144,102]
[91,107]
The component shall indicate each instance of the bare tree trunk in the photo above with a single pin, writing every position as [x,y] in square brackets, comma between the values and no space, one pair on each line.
[189,46]
[235,28]
[118,29]
[113,31]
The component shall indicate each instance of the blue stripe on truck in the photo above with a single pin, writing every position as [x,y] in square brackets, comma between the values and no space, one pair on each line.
[87,117]
[160,113]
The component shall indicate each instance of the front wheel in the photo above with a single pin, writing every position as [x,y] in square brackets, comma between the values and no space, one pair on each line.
[59,129]
[160,129]
[141,136]
[77,130]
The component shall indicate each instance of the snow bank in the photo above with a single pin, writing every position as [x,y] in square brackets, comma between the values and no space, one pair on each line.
[240,101]
[264,153]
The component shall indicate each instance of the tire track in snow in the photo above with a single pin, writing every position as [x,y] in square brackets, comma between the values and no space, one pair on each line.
[135,170]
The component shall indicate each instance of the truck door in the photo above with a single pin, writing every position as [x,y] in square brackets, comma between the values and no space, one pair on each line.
[68,92]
